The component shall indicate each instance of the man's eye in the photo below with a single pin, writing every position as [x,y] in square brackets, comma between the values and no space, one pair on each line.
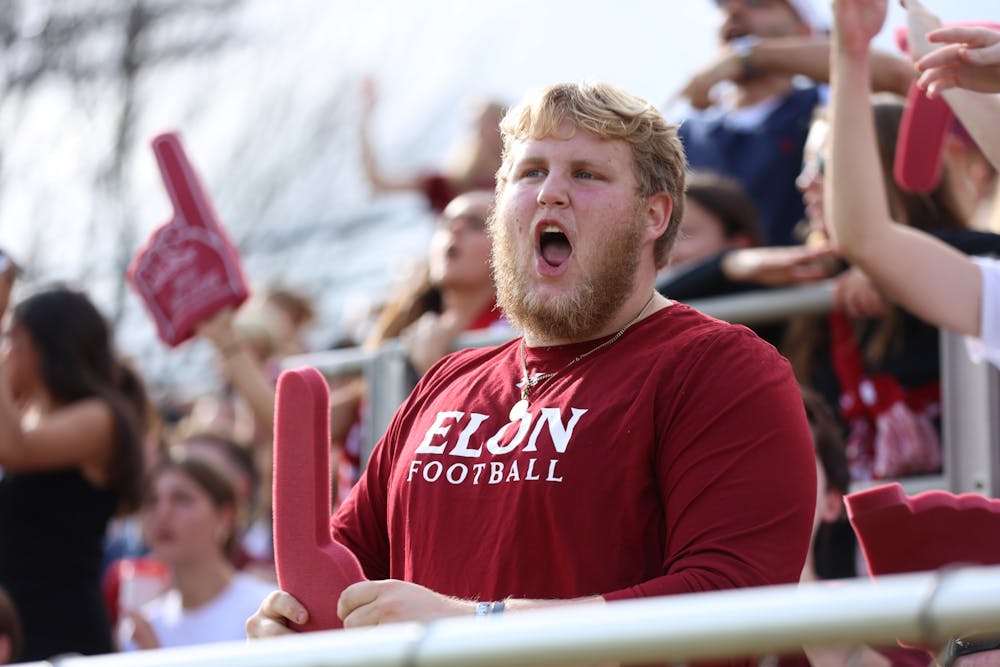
[588,175]
[533,172]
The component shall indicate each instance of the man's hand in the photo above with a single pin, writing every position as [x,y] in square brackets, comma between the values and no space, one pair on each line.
[856,22]
[274,614]
[727,67]
[969,58]
[393,601]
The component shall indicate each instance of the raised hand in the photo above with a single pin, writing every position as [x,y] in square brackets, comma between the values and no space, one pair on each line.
[969,58]
[856,22]
[777,265]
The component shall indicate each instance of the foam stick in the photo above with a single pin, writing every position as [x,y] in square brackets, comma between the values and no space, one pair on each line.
[189,269]
[311,565]
[922,132]
[899,533]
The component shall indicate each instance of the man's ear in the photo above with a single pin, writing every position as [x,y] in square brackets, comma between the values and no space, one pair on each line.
[659,207]
[832,506]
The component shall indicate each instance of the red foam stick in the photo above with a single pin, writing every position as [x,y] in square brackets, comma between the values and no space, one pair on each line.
[189,269]
[311,565]
[900,534]
[922,131]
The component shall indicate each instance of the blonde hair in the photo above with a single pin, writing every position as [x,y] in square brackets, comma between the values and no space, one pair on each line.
[610,113]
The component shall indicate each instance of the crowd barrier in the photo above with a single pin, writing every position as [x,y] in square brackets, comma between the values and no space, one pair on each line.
[924,609]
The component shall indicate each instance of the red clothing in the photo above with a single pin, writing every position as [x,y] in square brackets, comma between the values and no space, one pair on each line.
[677,459]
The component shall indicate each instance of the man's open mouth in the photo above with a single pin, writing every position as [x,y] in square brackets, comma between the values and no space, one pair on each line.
[553,246]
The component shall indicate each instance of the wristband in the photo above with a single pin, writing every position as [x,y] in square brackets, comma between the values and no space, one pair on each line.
[489,608]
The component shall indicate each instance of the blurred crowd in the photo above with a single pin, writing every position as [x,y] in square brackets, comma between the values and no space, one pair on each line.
[126,525]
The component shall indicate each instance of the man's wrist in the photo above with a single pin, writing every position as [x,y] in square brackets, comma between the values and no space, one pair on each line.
[743,50]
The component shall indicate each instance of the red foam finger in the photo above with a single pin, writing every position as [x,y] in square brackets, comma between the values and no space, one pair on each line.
[188,269]
[920,144]
[311,565]
[927,531]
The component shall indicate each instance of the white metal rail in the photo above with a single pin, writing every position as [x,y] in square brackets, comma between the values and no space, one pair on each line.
[925,608]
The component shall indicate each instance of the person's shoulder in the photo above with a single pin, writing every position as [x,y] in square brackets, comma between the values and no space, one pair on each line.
[689,326]
[689,339]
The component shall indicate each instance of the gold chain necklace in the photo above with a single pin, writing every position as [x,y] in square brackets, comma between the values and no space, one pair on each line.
[528,383]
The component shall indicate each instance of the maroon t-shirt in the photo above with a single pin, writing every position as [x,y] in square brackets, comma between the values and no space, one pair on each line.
[675,460]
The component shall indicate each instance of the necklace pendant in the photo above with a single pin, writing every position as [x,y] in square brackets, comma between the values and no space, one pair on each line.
[519,410]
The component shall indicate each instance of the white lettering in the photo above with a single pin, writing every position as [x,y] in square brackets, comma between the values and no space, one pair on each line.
[438,428]
[514,474]
[462,446]
[560,434]
[436,465]
[531,468]
[413,468]
[462,468]
[496,472]
[479,467]
[552,472]
[493,444]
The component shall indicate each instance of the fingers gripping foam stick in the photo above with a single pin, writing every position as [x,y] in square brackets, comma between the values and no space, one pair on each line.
[188,269]
[311,565]
[899,533]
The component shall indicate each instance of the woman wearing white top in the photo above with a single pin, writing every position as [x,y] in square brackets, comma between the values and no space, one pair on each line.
[189,519]
[947,288]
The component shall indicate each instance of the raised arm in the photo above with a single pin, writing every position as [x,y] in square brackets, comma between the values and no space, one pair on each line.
[804,56]
[241,368]
[922,274]
[376,175]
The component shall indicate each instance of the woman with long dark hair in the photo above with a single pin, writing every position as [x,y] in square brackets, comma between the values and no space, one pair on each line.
[72,422]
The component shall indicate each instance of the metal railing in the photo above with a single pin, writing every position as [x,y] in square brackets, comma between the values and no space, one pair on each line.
[925,609]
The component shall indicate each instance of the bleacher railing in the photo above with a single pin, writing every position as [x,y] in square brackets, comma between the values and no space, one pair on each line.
[925,609]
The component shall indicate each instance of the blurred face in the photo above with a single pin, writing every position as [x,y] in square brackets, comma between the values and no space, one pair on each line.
[181,524]
[760,18]
[568,234]
[700,236]
[810,179]
[21,363]
[459,254]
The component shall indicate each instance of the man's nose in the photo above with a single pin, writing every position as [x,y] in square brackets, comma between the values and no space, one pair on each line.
[553,193]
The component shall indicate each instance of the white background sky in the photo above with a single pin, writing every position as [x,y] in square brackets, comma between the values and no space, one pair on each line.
[278,115]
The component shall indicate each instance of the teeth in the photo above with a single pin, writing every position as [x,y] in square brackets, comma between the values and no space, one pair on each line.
[551,228]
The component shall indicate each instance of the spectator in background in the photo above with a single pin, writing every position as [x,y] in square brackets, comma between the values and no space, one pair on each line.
[950,289]
[756,135]
[294,312]
[453,294]
[190,518]
[10,630]
[72,422]
[718,216]
[870,355]
[472,166]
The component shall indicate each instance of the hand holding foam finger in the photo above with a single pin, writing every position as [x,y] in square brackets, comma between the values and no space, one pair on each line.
[393,601]
[969,58]
[273,616]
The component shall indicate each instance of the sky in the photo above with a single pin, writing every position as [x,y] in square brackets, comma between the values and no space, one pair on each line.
[271,124]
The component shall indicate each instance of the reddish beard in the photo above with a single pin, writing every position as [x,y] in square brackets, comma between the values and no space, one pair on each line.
[582,313]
